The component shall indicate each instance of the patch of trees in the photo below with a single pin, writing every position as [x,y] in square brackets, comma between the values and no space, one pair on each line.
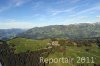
[98,42]
[29,58]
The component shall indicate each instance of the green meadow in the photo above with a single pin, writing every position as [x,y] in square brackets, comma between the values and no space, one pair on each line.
[23,44]
[90,53]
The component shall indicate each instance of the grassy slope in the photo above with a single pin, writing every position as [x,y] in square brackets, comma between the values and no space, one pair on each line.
[23,44]
[74,52]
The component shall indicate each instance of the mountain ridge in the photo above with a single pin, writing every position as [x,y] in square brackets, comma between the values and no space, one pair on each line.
[9,33]
[81,30]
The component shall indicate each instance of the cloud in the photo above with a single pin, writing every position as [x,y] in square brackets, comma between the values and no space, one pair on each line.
[74,1]
[11,23]
[91,9]
[19,2]
[15,24]
[37,4]
[97,16]
[88,10]
[13,3]
[79,18]
[57,12]
[2,9]
[68,1]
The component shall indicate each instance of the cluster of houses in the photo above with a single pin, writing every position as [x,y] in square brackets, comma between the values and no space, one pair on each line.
[53,43]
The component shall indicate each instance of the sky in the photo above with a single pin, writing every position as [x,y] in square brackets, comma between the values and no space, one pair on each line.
[36,13]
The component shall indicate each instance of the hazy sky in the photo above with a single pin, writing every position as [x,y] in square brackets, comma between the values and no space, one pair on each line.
[32,13]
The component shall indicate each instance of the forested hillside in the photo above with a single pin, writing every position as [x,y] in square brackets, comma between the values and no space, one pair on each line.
[82,30]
